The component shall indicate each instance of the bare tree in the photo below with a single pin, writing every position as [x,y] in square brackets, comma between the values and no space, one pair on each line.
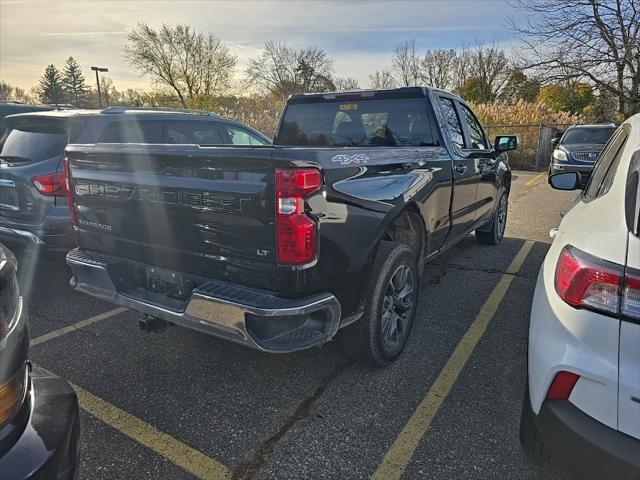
[490,66]
[437,68]
[406,63]
[382,79]
[282,71]
[577,40]
[6,91]
[346,83]
[191,63]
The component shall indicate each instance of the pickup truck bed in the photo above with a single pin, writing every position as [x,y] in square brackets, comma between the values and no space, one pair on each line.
[271,246]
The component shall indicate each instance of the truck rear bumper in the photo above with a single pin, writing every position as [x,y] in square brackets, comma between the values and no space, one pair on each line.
[251,317]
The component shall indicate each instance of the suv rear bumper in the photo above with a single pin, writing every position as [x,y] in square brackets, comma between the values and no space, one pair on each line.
[251,317]
[586,448]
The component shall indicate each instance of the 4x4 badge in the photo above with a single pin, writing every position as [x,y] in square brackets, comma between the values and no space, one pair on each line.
[347,159]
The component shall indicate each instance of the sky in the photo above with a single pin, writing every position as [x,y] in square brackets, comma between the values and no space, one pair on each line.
[358,35]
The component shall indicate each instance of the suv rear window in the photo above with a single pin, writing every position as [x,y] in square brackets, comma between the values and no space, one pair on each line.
[31,146]
[360,122]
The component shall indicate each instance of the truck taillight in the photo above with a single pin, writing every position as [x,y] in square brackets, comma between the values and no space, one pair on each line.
[296,231]
[584,281]
[51,184]
[69,190]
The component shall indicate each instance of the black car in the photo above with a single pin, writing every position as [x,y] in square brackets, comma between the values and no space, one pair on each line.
[578,149]
[39,419]
[33,204]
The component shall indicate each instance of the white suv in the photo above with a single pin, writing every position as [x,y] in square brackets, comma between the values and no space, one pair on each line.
[582,401]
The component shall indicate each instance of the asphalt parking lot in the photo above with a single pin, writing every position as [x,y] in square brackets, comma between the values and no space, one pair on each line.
[183,405]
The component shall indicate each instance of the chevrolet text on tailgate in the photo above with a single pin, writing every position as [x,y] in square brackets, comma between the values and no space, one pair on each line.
[283,247]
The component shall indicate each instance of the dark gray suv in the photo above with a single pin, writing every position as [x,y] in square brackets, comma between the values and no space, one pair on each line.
[578,149]
[33,204]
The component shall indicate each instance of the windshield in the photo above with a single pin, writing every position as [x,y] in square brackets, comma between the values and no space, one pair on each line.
[18,145]
[361,122]
[588,135]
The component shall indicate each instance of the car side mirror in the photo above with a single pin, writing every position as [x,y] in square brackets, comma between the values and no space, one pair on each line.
[565,181]
[554,141]
[504,143]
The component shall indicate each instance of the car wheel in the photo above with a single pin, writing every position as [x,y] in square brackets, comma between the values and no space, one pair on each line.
[380,335]
[529,438]
[498,222]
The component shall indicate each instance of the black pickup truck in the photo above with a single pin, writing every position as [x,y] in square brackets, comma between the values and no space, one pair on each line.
[278,247]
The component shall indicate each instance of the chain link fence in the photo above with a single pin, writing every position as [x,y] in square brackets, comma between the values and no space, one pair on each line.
[535,148]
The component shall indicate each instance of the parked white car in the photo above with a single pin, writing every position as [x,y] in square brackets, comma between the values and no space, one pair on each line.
[582,401]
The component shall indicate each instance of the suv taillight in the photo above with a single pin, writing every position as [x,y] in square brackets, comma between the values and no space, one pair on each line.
[51,184]
[296,231]
[69,190]
[588,282]
[630,306]
[562,385]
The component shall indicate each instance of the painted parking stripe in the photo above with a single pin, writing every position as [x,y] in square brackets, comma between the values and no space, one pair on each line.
[533,180]
[397,458]
[76,326]
[190,459]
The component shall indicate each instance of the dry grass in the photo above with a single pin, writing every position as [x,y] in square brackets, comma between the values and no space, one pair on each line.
[523,119]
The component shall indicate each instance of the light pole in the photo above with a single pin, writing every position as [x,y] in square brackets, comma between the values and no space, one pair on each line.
[99,69]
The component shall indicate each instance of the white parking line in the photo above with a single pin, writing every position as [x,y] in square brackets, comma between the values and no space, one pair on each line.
[76,326]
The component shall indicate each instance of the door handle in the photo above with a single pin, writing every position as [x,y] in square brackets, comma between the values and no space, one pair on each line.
[461,168]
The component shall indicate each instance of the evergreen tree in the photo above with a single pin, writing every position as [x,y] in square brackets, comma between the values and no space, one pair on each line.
[49,88]
[75,89]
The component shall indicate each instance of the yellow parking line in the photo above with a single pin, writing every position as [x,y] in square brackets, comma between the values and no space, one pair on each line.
[532,181]
[76,326]
[400,453]
[190,459]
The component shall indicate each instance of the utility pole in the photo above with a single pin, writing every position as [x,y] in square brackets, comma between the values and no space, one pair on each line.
[99,69]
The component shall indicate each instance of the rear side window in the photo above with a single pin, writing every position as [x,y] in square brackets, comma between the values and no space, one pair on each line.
[31,146]
[199,133]
[367,122]
[240,136]
[605,170]
[454,128]
[132,132]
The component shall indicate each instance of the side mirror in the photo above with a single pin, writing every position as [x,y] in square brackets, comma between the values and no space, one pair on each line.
[565,181]
[504,143]
[554,141]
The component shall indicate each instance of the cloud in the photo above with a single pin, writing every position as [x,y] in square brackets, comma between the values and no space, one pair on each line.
[359,35]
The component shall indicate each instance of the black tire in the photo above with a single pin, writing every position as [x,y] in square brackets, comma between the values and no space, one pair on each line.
[380,335]
[498,222]
[529,438]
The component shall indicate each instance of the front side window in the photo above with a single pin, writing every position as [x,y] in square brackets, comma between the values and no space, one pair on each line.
[606,166]
[476,134]
[371,122]
[453,126]
[240,136]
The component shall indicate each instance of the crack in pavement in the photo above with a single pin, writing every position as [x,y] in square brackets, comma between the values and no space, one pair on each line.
[246,470]
[484,270]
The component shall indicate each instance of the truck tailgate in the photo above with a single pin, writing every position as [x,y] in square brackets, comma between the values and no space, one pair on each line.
[207,211]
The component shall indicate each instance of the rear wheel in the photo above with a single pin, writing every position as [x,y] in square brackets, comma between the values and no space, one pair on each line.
[498,222]
[381,334]
[529,438]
